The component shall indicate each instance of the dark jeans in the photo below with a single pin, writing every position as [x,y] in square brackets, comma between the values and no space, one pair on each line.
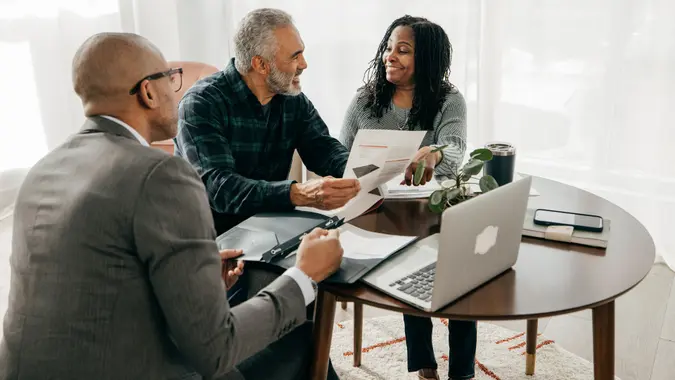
[462,342]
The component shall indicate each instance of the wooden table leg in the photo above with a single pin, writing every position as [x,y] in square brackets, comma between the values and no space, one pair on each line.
[358,332]
[323,333]
[603,341]
[531,346]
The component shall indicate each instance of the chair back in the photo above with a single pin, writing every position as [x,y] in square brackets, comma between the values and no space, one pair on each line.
[192,72]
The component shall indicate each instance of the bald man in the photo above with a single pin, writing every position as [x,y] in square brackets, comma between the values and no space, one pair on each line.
[115,273]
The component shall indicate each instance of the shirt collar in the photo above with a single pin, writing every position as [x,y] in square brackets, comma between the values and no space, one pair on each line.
[240,88]
[128,127]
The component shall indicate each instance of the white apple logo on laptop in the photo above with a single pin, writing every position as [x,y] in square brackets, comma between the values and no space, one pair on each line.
[486,240]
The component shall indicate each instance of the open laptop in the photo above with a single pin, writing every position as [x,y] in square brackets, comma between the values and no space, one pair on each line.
[479,239]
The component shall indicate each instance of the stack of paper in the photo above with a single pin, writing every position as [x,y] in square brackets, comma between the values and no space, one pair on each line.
[394,190]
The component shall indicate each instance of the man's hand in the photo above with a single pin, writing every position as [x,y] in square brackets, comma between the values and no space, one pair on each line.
[319,254]
[431,159]
[325,193]
[232,268]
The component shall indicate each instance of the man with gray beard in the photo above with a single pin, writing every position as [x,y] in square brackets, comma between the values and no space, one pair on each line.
[240,127]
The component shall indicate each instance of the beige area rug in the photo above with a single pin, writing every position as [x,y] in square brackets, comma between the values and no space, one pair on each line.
[500,353]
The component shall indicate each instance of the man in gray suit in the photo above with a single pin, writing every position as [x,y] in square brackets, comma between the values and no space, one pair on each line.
[115,271]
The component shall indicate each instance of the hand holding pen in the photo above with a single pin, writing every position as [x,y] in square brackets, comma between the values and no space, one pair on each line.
[231,268]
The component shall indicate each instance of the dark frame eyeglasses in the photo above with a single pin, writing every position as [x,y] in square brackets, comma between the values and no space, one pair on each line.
[156,76]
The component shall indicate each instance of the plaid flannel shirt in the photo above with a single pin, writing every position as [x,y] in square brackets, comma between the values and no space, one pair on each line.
[242,153]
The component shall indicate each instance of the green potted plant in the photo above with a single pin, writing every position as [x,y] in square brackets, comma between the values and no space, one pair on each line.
[457,188]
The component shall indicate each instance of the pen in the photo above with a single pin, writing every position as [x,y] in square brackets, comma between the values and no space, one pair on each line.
[281,251]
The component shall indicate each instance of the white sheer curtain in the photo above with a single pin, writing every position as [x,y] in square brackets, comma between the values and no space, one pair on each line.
[38,39]
[582,88]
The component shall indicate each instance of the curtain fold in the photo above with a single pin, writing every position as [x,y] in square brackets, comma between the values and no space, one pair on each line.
[582,89]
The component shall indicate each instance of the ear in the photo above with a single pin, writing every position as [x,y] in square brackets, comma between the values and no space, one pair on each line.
[148,95]
[260,65]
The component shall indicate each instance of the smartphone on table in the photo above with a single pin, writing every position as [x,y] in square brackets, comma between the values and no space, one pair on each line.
[586,222]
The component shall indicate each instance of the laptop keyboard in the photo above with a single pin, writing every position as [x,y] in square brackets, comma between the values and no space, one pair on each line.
[418,284]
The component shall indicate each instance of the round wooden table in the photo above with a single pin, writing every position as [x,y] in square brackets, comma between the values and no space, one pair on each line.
[548,279]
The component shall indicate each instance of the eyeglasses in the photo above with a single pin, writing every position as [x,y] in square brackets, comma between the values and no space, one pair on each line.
[175,76]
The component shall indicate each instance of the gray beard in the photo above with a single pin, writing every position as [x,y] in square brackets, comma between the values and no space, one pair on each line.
[281,83]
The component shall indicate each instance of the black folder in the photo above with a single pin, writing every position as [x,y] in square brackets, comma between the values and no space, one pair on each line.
[263,232]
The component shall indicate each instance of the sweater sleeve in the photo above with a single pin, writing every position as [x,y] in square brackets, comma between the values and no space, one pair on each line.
[350,124]
[451,131]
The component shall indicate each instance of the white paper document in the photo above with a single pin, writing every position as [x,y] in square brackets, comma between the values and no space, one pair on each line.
[377,156]
[361,244]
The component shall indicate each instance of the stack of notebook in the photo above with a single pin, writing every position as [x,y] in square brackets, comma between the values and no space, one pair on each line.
[591,239]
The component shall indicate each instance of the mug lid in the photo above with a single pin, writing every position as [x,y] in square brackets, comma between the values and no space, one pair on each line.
[501,148]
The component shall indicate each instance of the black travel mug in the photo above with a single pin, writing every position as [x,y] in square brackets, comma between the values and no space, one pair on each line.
[503,162]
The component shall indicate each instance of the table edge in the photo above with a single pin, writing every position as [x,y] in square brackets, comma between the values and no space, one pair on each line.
[422,313]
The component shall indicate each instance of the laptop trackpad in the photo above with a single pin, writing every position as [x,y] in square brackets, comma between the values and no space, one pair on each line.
[416,256]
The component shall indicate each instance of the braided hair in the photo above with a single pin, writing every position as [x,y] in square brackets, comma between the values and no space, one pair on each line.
[433,55]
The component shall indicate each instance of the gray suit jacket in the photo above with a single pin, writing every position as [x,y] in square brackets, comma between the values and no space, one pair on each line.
[116,274]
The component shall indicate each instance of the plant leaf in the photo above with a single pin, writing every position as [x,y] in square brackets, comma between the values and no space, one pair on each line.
[471,168]
[452,194]
[482,154]
[487,183]
[437,201]
[436,209]
[448,184]
[436,149]
[436,197]
[419,172]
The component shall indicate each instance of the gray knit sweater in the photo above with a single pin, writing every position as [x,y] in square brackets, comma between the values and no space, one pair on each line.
[449,127]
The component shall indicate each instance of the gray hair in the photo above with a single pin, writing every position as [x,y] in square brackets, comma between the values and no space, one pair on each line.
[255,36]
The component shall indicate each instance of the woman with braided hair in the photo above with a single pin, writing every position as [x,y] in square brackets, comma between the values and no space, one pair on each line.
[407,87]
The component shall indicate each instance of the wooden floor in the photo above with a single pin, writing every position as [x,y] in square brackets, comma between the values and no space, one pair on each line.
[645,328]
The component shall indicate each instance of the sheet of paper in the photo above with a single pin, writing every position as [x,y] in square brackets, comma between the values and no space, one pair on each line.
[361,244]
[377,156]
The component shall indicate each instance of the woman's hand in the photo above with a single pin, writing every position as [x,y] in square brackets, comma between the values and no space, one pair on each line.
[431,159]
